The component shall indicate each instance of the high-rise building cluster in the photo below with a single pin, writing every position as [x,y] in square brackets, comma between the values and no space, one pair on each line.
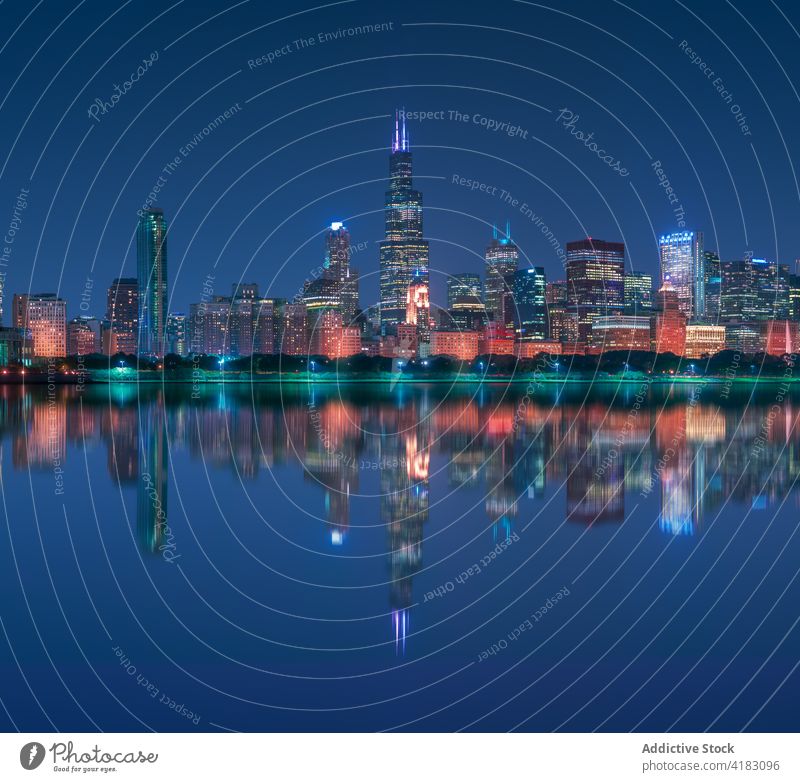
[699,305]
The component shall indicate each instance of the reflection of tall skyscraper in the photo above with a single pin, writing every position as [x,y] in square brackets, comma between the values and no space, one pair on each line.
[403,253]
[151,491]
[151,267]
[404,506]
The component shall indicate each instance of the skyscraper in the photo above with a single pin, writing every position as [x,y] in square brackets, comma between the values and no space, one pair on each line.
[668,326]
[683,264]
[713,285]
[638,292]
[464,289]
[595,281]
[337,262]
[122,314]
[502,259]
[737,293]
[529,308]
[177,334]
[418,313]
[151,265]
[754,289]
[403,253]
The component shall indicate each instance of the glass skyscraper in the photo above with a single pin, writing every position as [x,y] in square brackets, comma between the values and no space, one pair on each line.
[638,292]
[528,307]
[151,272]
[403,253]
[502,259]
[465,288]
[595,281]
[713,286]
[337,267]
[683,264]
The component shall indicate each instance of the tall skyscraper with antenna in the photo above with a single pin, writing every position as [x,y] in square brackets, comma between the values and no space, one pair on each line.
[502,259]
[403,253]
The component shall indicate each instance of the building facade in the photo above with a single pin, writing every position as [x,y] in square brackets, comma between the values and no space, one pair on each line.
[528,307]
[620,332]
[683,264]
[704,339]
[122,315]
[638,288]
[45,316]
[595,281]
[151,267]
[668,329]
[502,260]
[403,251]
[462,345]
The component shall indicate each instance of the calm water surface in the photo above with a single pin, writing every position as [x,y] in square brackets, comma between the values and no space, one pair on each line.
[361,558]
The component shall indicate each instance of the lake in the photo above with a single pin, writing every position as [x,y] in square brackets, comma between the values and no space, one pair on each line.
[418,557]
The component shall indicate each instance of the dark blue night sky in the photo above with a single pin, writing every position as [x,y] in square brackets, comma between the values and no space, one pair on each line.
[307,136]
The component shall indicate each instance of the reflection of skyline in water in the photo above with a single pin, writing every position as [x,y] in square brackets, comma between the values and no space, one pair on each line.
[691,457]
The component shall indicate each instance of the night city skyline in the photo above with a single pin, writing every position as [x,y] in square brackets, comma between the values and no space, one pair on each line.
[697,306]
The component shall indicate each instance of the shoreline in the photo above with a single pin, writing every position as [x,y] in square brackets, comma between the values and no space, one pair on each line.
[392,381]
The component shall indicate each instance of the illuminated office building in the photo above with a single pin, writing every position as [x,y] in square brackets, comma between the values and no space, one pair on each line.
[122,314]
[465,307]
[151,265]
[502,259]
[418,311]
[495,340]
[595,281]
[668,325]
[713,276]
[620,332]
[404,252]
[464,289]
[683,264]
[528,309]
[337,262]
[177,334]
[462,345]
[294,337]
[638,288]
[45,316]
[744,336]
[210,326]
[704,339]
[794,296]
[84,336]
